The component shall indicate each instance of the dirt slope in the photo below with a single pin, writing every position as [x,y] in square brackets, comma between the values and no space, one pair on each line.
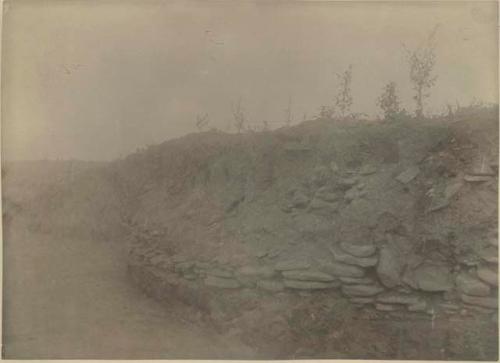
[312,240]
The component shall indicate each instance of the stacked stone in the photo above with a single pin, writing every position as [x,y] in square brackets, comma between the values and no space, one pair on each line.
[479,288]
[364,274]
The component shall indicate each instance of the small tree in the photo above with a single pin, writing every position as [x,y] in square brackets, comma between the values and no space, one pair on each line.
[238,116]
[388,101]
[343,100]
[288,112]
[201,121]
[326,112]
[421,62]
[265,125]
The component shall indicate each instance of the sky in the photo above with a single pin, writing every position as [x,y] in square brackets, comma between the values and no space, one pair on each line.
[95,80]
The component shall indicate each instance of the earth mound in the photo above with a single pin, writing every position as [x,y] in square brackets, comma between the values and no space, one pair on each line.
[325,240]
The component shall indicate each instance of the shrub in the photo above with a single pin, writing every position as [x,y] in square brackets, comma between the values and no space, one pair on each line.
[388,101]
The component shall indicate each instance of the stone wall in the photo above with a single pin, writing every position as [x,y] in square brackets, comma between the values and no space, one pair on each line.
[365,275]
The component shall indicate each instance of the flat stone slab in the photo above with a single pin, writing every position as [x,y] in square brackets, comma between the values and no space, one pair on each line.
[488,275]
[418,307]
[362,300]
[158,259]
[389,268]
[344,257]
[221,282]
[357,280]
[472,286]
[452,189]
[308,275]
[361,290]
[485,302]
[433,278]
[385,307]
[408,175]
[368,169]
[477,178]
[260,272]
[326,195]
[358,250]
[292,265]
[398,298]
[323,206]
[347,182]
[219,272]
[183,266]
[489,255]
[339,269]
[271,285]
[310,285]
[482,167]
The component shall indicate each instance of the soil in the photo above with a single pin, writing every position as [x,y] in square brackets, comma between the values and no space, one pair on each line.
[72,299]
[341,213]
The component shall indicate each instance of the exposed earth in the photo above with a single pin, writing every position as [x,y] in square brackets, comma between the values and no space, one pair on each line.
[330,239]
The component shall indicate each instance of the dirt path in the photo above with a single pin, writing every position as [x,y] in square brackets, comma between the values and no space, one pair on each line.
[71,299]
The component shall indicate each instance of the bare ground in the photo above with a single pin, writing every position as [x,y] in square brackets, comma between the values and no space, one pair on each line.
[71,299]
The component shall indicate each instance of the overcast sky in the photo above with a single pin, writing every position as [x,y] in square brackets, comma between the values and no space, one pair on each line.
[95,80]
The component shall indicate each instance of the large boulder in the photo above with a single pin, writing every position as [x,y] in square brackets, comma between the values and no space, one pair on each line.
[470,285]
[433,278]
[390,267]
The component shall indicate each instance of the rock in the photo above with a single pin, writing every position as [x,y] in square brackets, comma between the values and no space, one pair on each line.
[321,175]
[472,286]
[158,259]
[312,223]
[357,280]
[385,307]
[351,194]
[493,241]
[308,275]
[257,272]
[367,169]
[202,265]
[438,203]
[362,300]
[489,255]
[190,276]
[179,258]
[334,167]
[327,195]
[292,265]
[219,272]
[432,278]
[271,285]
[452,189]
[347,182]
[477,178]
[183,267]
[487,275]
[398,298]
[361,290]
[389,267]
[450,307]
[300,199]
[408,175]
[320,205]
[482,167]
[221,282]
[485,302]
[418,307]
[343,270]
[342,256]
[358,250]
[310,285]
